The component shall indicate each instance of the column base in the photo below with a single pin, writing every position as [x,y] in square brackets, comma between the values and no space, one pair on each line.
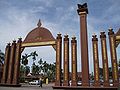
[66,83]
[74,83]
[116,84]
[96,84]
[3,81]
[106,84]
[58,83]
[85,84]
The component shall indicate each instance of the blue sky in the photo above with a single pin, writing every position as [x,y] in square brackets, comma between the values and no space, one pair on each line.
[19,17]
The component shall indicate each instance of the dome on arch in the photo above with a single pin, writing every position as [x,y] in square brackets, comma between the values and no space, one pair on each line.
[39,34]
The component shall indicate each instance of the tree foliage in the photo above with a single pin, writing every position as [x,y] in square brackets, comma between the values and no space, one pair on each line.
[2,57]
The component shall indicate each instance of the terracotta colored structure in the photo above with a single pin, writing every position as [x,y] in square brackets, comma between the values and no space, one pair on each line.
[13,53]
[66,61]
[11,63]
[41,36]
[104,59]
[74,61]
[113,57]
[83,11]
[17,62]
[6,64]
[58,60]
[96,60]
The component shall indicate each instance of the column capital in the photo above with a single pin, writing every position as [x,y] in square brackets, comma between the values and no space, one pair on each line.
[82,9]
[94,38]
[59,36]
[8,44]
[73,39]
[111,32]
[66,37]
[19,40]
[102,35]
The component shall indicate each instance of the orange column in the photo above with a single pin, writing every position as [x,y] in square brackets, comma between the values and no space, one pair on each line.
[96,60]
[66,61]
[113,58]
[11,63]
[82,12]
[58,60]
[74,60]
[6,64]
[17,62]
[104,59]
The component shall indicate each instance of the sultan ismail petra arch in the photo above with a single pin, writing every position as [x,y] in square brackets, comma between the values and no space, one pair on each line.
[41,36]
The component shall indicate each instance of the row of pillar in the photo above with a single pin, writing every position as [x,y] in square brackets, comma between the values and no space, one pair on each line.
[66,61]
[95,58]
[105,59]
[12,63]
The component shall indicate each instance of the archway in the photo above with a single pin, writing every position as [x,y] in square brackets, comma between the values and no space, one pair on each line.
[39,36]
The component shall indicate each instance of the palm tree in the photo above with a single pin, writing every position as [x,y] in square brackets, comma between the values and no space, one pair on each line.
[35,69]
[25,62]
[25,59]
[45,67]
[40,62]
[34,54]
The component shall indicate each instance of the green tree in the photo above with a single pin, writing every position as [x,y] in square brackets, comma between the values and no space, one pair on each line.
[35,69]
[34,54]
[22,72]
[40,62]
[25,59]
[2,57]
[25,62]
[45,67]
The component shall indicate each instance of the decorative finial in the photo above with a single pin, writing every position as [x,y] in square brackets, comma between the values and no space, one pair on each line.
[94,35]
[39,23]
[59,33]
[73,37]
[82,8]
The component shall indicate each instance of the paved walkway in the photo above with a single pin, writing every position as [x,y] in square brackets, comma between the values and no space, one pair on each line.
[29,87]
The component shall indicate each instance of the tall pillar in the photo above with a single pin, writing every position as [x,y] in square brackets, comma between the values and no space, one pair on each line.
[74,60]
[104,59]
[58,60]
[6,64]
[66,61]
[11,63]
[96,60]
[113,57]
[17,62]
[82,12]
